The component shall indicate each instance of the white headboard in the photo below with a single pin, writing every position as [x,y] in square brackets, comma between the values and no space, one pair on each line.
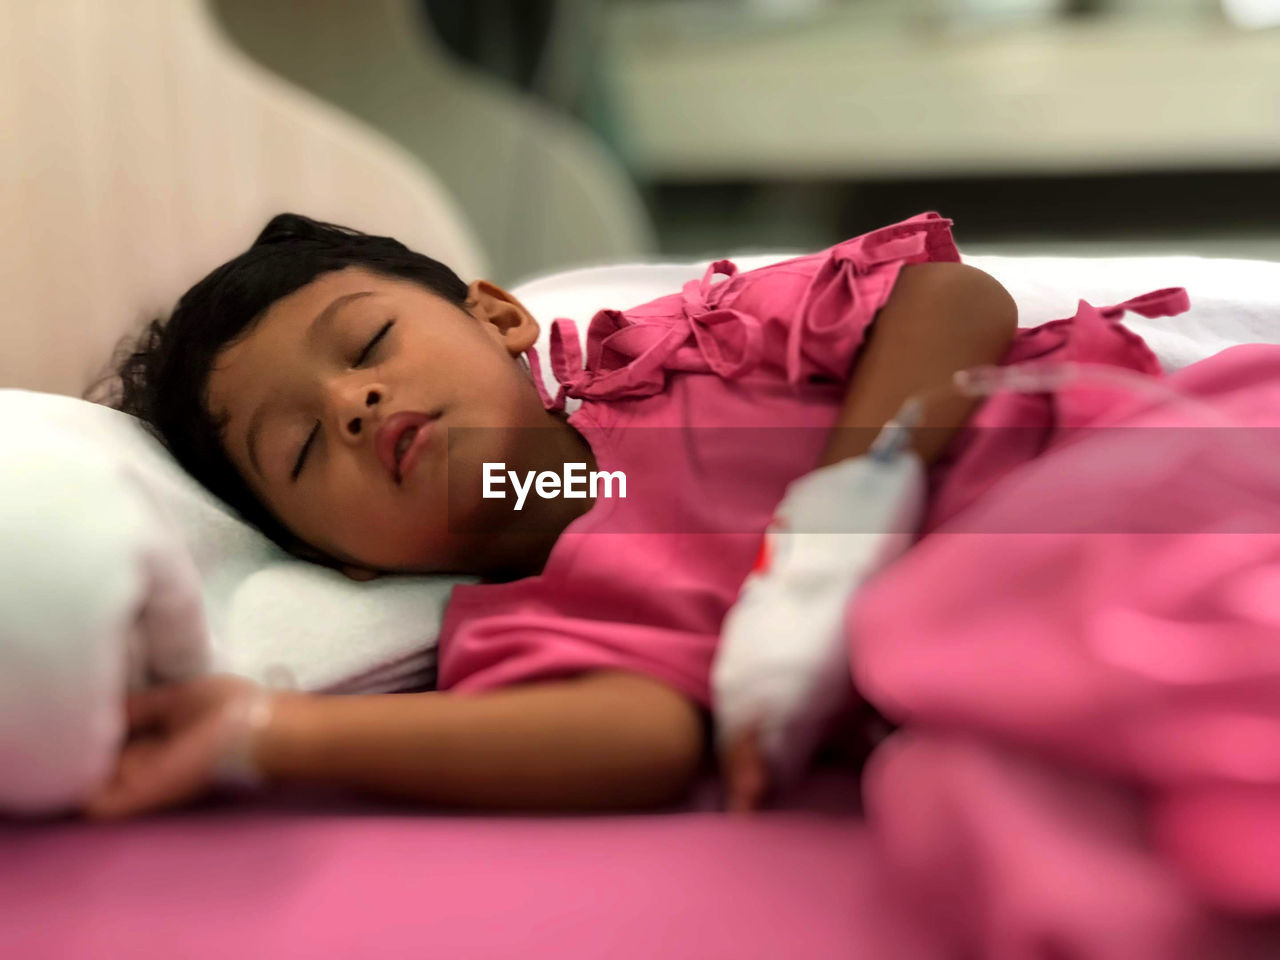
[140,150]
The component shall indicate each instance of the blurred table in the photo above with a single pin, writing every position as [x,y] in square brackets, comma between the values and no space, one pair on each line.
[830,97]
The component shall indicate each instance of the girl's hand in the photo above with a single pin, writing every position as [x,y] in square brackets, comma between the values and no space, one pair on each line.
[178,734]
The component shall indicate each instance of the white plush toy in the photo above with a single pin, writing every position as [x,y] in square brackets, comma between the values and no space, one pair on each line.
[99,595]
[119,570]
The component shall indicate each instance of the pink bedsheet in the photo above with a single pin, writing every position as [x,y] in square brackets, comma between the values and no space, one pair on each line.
[298,878]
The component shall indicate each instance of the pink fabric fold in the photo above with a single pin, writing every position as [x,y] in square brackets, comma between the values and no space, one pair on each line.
[807,320]
[1097,617]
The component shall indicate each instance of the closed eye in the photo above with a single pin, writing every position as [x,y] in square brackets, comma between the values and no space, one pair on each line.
[364,354]
[302,454]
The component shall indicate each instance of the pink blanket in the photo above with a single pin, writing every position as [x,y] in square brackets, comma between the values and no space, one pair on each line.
[301,876]
[1083,654]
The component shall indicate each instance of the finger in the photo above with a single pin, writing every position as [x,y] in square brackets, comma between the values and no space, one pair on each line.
[100,799]
[749,785]
[150,707]
[105,798]
[152,774]
[745,775]
[729,753]
[131,798]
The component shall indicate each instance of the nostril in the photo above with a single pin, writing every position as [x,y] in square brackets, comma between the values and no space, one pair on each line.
[354,425]
[372,398]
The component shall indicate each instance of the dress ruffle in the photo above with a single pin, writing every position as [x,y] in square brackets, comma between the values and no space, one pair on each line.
[720,326]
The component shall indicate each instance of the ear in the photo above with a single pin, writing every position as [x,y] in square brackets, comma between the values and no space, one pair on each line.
[490,304]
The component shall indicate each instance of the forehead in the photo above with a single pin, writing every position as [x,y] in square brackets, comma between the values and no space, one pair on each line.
[285,322]
[292,313]
[288,319]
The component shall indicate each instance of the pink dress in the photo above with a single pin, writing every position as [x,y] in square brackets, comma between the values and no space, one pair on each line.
[738,377]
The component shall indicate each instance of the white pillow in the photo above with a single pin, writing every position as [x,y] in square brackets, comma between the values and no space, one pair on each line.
[270,616]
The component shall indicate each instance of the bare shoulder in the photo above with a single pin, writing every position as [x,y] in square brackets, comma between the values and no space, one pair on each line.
[922,287]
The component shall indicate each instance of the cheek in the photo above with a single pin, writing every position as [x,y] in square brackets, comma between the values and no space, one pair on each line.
[470,363]
[499,393]
[380,525]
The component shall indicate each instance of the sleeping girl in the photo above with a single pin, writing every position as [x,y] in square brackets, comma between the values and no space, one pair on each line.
[344,393]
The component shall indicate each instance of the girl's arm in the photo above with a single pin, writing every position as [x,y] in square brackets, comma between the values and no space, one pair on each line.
[940,318]
[602,740]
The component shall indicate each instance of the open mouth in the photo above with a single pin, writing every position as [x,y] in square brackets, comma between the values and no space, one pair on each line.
[402,446]
[410,444]
[399,439]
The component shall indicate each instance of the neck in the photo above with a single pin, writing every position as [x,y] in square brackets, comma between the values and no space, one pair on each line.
[523,548]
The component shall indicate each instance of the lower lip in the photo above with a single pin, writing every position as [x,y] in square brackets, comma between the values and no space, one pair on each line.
[416,446]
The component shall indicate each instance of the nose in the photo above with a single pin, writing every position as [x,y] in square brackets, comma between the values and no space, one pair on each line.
[353,403]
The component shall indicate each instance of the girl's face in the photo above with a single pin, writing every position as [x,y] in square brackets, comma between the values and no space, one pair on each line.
[309,388]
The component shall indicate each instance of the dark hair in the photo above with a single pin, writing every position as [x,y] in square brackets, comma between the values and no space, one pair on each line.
[163,374]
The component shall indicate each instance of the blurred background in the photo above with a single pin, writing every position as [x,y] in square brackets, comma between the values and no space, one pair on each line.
[574,131]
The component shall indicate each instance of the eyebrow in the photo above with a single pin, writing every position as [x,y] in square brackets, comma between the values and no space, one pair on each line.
[316,331]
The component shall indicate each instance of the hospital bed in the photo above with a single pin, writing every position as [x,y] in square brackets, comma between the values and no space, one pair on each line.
[143,149]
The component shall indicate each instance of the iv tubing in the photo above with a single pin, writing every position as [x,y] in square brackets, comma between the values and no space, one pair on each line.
[1048,377]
